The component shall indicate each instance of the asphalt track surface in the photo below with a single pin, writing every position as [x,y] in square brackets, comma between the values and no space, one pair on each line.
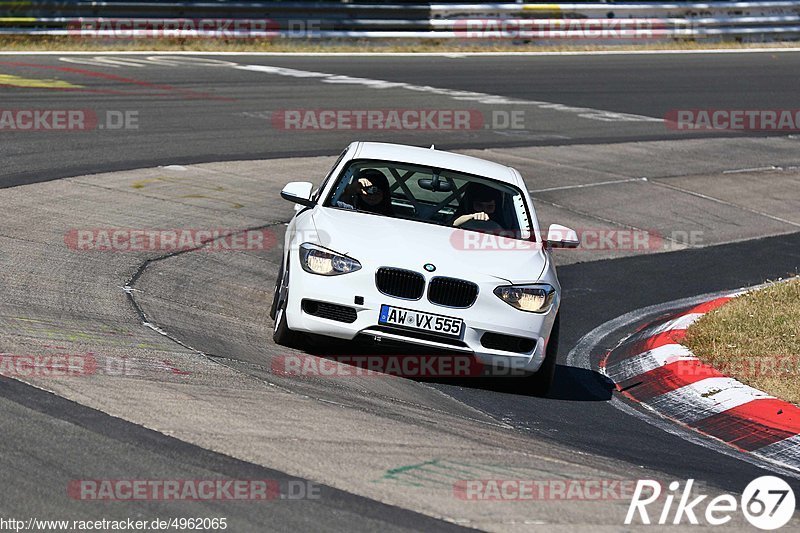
[189,115]
[88,435]
[192,114]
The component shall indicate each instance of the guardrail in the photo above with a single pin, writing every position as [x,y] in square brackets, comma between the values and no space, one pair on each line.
[530,22]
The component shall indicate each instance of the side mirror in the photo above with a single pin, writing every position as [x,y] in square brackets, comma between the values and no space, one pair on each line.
[298,192]
[559,236]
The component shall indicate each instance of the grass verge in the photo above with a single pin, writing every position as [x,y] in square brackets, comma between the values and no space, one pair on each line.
[755,338]
[25,43]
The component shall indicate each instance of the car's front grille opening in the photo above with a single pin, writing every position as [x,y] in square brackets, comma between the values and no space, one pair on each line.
[452,292]
[400,283]
[339,313]
[507,343]
[419,335]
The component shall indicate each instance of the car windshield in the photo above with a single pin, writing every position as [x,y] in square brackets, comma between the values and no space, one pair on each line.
[429,195]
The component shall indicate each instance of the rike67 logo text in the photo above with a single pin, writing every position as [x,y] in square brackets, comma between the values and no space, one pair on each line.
[767,502]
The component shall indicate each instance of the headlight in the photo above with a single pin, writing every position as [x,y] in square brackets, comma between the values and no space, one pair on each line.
[535,298]
[318,260]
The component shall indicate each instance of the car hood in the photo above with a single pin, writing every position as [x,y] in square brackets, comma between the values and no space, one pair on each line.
[377,241]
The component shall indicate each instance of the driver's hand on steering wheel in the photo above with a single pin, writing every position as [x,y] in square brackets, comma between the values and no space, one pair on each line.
[357,187]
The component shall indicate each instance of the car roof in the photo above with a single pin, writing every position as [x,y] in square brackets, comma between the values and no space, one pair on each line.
[436,158]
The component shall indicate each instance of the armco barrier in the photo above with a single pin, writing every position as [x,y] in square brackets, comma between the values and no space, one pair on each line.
[752,21]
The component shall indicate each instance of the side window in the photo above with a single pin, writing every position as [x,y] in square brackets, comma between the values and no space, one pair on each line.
[316,194]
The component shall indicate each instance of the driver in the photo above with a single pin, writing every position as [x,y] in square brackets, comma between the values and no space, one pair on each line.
[369,192]
[481,204]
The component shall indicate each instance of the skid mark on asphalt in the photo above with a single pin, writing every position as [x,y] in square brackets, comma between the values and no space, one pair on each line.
[9,80]
[144,183]
[68,331]
[101,349]
[141,185]
[445,472]
[142,366]
[163,89]
[233,205]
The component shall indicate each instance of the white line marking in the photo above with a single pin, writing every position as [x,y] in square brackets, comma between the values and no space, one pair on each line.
[468,96]
[106,61]
[724,202]
[645,362]
[611,223]
[149,61]
[585,185]
[681,322]
[420,54]
[673,324]
[755,169]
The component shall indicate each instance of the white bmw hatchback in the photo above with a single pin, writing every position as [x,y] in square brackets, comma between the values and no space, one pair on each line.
[426,247]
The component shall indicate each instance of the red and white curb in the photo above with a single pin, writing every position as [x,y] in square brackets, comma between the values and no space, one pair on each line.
[652,368]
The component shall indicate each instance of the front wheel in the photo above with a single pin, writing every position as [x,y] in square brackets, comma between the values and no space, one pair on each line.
[281,334]
[541,382]
[276,295]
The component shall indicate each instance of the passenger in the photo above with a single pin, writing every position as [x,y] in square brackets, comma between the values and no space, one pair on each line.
[480,208]
[370,193]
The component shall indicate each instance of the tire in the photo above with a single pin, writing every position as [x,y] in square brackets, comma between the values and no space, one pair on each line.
[540,383]
[281,334]
[275,297]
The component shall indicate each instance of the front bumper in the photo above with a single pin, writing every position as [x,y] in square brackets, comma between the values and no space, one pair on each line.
[487,314]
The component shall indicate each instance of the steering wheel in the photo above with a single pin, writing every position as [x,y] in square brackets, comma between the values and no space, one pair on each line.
[482,225]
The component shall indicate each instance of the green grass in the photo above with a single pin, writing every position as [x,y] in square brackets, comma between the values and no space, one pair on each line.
[755,338]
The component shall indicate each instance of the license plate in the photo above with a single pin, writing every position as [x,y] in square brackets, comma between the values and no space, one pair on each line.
[406,318]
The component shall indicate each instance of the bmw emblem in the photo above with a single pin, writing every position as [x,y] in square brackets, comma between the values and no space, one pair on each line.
[429,267]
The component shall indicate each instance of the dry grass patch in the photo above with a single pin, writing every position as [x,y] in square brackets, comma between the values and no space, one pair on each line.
[755,338]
